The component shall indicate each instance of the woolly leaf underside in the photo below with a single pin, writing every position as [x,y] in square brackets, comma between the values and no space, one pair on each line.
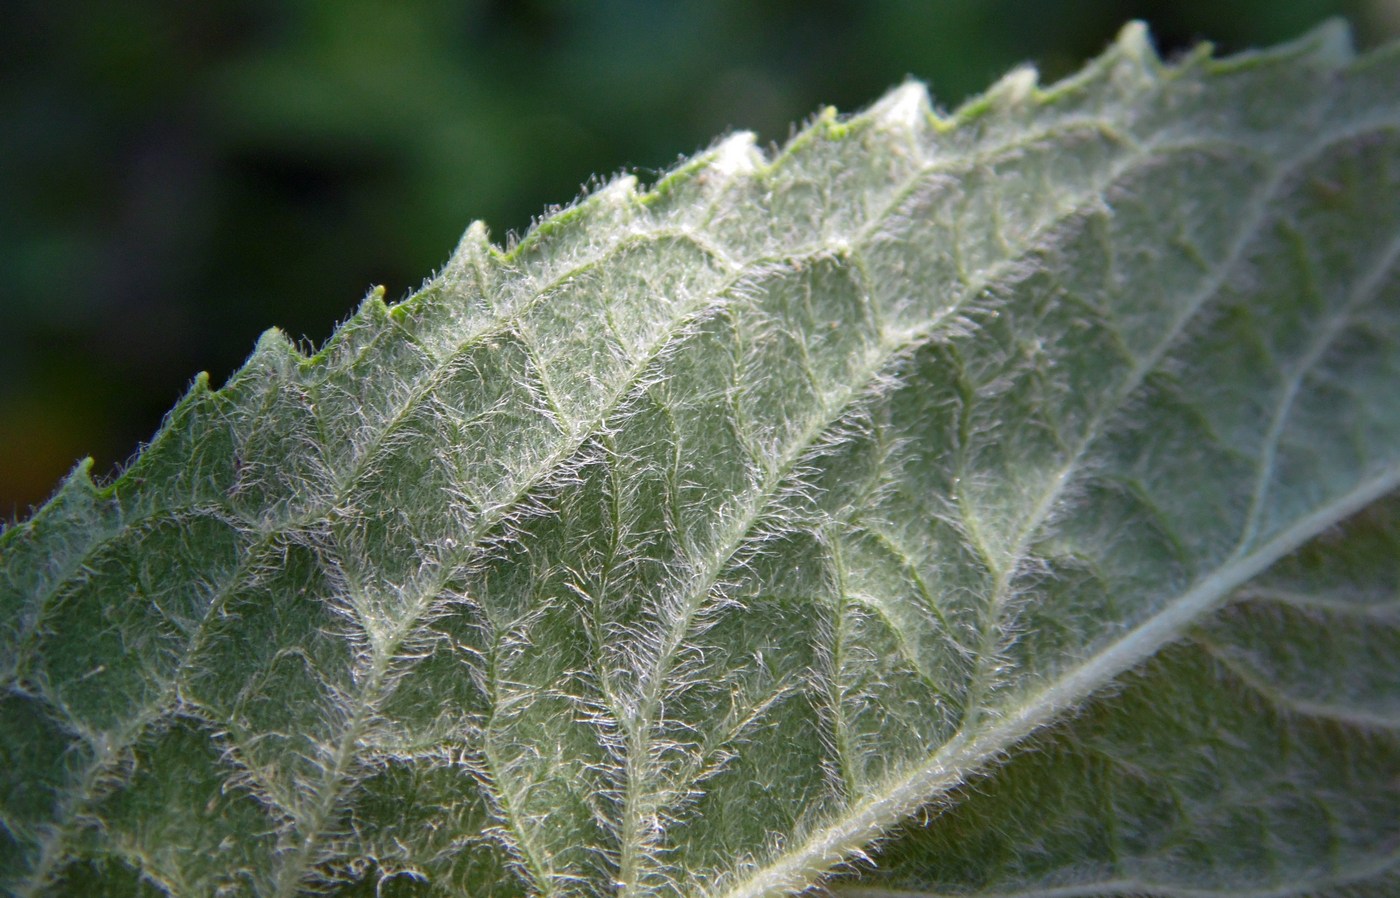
[795,509]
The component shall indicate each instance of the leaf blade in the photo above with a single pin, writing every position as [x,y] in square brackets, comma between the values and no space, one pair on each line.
[1290,792]
[851,442]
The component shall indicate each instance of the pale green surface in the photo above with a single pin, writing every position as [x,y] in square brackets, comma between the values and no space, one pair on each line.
[1258,757]
[712,532]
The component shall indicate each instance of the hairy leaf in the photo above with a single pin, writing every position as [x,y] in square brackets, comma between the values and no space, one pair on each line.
[708,534]
[1257,757]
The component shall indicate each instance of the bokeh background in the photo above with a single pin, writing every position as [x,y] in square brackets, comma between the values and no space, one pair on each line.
[176,177]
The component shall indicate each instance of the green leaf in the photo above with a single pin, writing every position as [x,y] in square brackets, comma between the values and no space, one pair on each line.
[703,538]
[1256,757]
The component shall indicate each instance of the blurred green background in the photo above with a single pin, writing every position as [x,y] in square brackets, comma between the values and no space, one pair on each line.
[177,177]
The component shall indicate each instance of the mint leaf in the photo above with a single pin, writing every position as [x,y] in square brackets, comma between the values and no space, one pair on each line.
[704,537]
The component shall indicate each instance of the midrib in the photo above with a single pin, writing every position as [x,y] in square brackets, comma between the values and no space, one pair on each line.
[966,753]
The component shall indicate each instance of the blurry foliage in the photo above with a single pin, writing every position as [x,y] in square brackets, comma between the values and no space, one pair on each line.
[175,178]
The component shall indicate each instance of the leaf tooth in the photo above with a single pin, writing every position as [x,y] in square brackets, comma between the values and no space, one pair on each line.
[1017,87]
[1333,42]
[621,190]
[274,351]
[1134,43]
[471,251]
[1331,45]
[736,156]
[906,108]
[79,480]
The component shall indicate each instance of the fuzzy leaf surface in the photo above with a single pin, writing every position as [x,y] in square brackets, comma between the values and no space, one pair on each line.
[1256,757]
[711,532]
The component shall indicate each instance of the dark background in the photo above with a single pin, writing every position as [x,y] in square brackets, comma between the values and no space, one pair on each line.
[177,177]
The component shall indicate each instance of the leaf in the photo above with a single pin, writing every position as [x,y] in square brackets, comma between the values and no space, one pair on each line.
[1256,757]
[704,537]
